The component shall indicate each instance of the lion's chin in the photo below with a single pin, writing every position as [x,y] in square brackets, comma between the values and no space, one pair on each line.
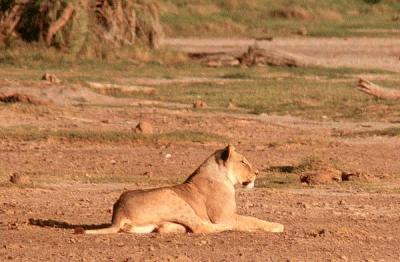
[248,185]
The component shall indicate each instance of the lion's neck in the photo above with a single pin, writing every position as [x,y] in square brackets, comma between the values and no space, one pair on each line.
[213,174]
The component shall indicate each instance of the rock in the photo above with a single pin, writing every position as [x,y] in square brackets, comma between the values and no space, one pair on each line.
[302,31]
[354,176]
[144,128]
[199,104]
[232,105]
[51,78]
[214,63]
[20,179]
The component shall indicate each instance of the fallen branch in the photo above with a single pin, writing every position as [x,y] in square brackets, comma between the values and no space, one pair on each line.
[377,91]
[254,56]
[59,23]
[121,88]
[259,56]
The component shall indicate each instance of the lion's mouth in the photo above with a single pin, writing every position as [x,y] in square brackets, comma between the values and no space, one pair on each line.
[248,184]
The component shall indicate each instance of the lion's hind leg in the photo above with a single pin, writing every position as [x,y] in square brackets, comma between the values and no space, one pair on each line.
[145,229]
[168,227]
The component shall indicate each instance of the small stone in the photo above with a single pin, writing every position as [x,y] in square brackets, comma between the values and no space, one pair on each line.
[20,179]
[51,78]
[302,31]
[168,156]
[214,63]
[72,240]
[199,104]
[303,205]
[113,162]
[144,128]
[232,105]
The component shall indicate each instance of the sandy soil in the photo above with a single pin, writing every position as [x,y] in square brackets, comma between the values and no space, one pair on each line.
[322,223]
[75,183]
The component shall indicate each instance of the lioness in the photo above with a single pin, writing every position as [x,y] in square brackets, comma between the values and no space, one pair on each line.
[204,203]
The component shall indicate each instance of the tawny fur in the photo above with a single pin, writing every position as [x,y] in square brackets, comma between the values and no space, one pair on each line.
[204,203]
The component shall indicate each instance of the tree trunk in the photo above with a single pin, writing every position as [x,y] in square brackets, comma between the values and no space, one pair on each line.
[59,23]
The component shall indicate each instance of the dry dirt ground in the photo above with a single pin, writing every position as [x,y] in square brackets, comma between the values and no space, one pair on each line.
[75,182]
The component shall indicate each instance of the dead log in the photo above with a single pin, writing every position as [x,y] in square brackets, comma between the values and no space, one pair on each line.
[254,56]
[105,88]
[377,91]
[260,56]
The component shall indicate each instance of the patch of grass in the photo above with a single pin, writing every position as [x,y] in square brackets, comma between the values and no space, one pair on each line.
[33,134]
[279,17]
[311,92]
[310,163]
[237,75]
[391,132]
[272,180]
[298,97]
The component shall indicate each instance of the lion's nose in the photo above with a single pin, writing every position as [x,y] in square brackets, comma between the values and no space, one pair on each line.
[256,172]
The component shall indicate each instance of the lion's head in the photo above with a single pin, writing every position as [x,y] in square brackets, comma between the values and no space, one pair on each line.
[240,171]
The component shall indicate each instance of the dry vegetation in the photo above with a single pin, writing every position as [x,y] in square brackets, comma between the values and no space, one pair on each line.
[80,28]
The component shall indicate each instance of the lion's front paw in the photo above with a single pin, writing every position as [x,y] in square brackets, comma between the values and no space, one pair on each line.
[277,228]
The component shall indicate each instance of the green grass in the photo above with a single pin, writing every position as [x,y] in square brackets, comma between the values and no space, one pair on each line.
[390,132]
[278,180]
[34,134]
[278,17]
[311,92]
[298,97]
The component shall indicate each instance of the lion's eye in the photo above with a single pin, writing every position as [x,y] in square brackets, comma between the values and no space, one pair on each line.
[245,163]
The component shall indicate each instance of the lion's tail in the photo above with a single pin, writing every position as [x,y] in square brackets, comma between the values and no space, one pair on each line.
[107,230]
[116,224]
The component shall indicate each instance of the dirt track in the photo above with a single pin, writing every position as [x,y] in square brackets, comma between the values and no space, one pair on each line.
[76,182]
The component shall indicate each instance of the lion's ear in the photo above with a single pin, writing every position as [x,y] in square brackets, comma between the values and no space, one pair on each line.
[228,151]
